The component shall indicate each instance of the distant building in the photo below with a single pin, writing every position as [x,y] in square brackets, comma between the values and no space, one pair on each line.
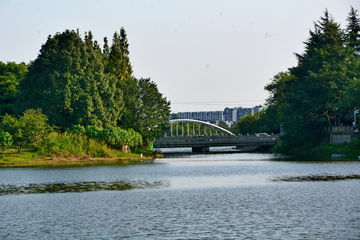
[229,115]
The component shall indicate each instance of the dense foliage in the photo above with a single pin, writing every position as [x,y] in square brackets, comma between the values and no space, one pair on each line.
[67,82]
[29,128]
[76,83]
[114,137]
[321,91]
[246,125]
[5,140]
[72,145]
[10,76]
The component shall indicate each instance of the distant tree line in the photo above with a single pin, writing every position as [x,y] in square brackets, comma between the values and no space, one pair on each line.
[75,82]
[321,91]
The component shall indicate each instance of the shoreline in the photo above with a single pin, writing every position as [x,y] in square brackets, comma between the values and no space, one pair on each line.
[27,161]
[74,162]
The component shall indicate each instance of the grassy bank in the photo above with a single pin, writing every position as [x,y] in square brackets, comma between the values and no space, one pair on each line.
[29,158]
[69,149]
[349,149]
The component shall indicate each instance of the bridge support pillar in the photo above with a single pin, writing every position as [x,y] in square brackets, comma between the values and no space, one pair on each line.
[200,149]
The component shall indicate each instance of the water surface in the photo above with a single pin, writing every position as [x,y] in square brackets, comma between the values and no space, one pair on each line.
[233,196]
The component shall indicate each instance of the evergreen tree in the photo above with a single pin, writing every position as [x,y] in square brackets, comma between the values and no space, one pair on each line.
[106,50]
[105,53]
[67,82]
[88,39]
[314,94]
[118,61]
[353,31]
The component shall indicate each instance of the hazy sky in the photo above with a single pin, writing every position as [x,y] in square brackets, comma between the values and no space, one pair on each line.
[204,55]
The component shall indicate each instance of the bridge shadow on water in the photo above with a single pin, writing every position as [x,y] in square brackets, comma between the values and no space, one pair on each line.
[175,152]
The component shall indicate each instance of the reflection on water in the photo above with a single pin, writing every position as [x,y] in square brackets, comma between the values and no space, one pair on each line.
[6,189]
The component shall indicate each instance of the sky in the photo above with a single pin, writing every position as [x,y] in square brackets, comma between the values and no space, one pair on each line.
[204,55]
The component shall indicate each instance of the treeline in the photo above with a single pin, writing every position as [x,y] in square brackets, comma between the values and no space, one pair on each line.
[75,82]
[321,91]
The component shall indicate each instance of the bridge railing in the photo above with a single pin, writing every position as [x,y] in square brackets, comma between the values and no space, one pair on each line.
[240,140]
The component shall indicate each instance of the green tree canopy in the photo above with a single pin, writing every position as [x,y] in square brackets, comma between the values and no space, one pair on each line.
[5,140]
[146,110]
[117,60]
[67,82]
[316,92]
[246,125]
[29,128]
[353,31]
[10,76]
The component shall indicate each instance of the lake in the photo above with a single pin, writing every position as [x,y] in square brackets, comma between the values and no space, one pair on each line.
[184,196]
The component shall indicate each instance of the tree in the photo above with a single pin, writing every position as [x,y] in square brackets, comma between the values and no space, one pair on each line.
[88,39]
[35,126]
[246,125]
[153,111]
[105,53]
[130,117]
[10,76]
[117,60]
[29,128]
[277,89]
[353,31]
[5,140]
[146,110]
[67,82]
[271,118]
[16,128]
[314,96]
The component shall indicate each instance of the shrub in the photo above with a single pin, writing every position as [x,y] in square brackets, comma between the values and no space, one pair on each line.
[72,144]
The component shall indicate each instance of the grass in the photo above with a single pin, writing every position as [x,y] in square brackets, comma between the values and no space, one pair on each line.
[30,157]
[350,149]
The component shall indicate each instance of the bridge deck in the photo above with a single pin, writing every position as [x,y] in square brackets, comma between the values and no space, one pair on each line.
[215,141]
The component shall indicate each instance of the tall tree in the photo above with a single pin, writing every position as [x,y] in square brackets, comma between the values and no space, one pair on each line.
[314,94]
[146,110]
[353,31]
[10,76]
[118,61]
[153,111]
[88,39]
[67,82]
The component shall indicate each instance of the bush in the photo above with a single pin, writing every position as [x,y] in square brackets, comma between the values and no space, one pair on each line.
[72,144]
[114,137]
[350,149]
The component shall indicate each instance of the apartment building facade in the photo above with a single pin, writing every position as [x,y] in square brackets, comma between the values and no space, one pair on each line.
[229,115]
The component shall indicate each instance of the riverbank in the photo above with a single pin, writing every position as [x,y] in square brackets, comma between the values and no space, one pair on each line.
[28,157]
[351,149]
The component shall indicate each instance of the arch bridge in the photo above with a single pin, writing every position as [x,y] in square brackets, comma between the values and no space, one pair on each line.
[202,143]
[195,121]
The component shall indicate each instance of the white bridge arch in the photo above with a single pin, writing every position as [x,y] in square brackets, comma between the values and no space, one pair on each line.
[201,122]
